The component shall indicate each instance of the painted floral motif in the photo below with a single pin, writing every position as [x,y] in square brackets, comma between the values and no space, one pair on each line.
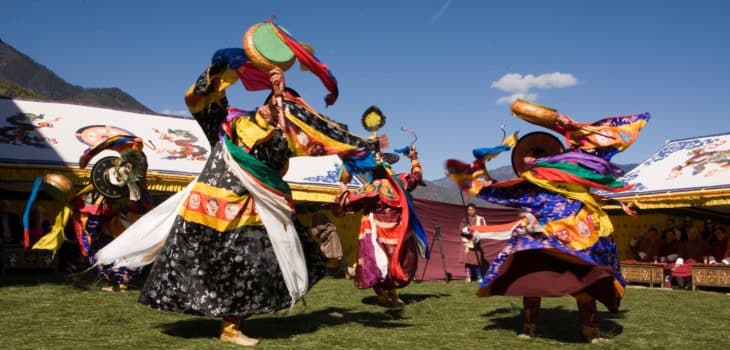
[182,145]
[678,146]
[332,177]
[544,205]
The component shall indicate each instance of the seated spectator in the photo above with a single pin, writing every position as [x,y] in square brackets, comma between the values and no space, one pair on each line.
[649,246]
[690,252]
[634,244]
[717,247]
[693,248]
[38,225]
[11,228]
[670,247]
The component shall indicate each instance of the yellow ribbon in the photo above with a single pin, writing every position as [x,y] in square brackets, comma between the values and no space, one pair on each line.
[53,240]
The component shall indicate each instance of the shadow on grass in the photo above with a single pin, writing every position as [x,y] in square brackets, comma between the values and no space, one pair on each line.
[82,280]
[408,298]
[557,323]
[25,278]
[273,327]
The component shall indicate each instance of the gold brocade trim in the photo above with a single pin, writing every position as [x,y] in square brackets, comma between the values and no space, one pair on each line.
[155,181]
[311,193]
[678,200]
[79,177]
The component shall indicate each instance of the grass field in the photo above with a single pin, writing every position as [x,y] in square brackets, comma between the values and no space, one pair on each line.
[48,312]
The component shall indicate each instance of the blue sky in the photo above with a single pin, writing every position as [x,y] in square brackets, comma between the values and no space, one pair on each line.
[431,66]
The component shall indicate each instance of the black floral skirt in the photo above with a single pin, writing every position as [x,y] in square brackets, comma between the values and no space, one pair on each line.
[208,273]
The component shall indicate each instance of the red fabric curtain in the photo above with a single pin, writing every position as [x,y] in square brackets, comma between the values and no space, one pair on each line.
[448,218]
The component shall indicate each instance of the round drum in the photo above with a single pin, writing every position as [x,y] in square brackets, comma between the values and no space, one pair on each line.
[535,113]
[265,49]
[390,158]
[536,145]
[100,178]
[58,186]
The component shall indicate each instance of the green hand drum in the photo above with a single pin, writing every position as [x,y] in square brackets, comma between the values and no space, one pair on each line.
[265,49]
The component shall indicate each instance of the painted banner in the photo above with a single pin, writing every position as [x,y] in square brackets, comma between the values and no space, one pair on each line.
[57,133]
[682,165]
[47,133]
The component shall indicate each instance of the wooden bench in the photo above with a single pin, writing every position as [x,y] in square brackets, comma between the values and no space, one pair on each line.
[715,275]
[640,272]
[16,257]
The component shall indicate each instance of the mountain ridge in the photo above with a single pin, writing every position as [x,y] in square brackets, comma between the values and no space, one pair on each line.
[22,77]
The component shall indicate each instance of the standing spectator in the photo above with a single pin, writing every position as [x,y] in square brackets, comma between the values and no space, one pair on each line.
[472,254]
[686,226]
[708,233]
[726,256]
[38,225]
[671,226]
[325,232]
[11,229]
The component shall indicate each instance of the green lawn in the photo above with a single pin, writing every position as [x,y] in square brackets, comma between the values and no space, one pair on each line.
[41,311]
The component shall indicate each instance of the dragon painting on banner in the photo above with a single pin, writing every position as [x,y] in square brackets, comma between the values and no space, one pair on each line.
[687,164]
[181,145]
[22,129]
[707,160]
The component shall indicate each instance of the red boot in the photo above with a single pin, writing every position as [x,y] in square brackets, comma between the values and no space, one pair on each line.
[529,316]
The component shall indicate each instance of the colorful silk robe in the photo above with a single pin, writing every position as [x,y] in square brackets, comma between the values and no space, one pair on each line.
[388,246]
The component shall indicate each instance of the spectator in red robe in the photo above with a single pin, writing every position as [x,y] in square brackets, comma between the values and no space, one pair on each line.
[717,247]
[691,252]
[669,250]
[649,246]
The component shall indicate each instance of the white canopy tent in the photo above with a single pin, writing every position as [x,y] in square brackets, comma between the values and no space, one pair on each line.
[692,172]
[41,137]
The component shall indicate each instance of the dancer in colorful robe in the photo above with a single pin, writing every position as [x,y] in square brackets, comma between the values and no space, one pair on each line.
[391,237]
[563,246]
[101,211]
[229,246]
